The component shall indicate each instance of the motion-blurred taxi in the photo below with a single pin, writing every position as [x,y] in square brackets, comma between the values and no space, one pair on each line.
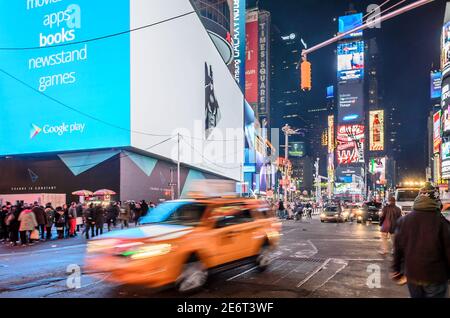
[182,242]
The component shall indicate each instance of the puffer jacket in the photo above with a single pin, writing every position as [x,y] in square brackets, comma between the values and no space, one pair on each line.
[422,244]
[27,220]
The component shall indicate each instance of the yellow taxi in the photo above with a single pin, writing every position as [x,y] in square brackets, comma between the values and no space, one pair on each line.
[182,242]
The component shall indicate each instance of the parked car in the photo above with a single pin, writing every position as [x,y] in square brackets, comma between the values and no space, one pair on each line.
[333,214]
[182,242]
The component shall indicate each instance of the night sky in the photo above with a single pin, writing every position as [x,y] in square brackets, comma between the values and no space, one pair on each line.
[410,47]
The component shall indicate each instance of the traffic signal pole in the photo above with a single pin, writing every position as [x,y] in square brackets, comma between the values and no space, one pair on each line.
[366,25]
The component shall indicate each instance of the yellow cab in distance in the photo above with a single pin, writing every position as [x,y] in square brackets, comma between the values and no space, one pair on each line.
[182,242]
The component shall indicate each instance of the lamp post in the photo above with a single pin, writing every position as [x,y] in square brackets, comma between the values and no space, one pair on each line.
[288,131]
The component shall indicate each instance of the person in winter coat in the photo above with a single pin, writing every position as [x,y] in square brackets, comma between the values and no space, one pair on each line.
[388,222]
[124,216]
[66,216]
[50,220]
[137,212]
[144,208]
[89,221]
[39,213]
[4,233]
[422,247]
[28,224]
[12,221]
[80,209]
[110,215]
[60,222]
[99,219]
[72,215]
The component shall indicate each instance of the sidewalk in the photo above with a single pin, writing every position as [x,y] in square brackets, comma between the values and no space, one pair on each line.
[80,239]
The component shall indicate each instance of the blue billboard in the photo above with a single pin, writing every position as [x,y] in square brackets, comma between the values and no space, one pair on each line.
[330,92]
[436,85]
[350,22]
[64,92]
[350,61]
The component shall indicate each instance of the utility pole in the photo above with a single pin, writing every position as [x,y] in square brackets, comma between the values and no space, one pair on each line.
[287,132]
[318,180]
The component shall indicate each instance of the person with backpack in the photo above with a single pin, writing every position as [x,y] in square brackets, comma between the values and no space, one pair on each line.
[50,220]
[89,221]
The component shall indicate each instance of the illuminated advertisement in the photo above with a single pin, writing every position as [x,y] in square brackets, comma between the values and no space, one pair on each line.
[331,134]
[436,83]
[350,61]
[350,22]
[297,149]
[330,92]
[348,174]
[238,41]
[376,130]
[445,169]
[251,61]
[351,103]
[377,167]
[350,144]
[437,132]
[445,103]
[348,189]
[264,63]
[118,92]
[445,46]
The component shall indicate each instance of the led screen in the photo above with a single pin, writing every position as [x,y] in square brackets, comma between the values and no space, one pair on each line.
[350,144]
[436,82]
[296,149]
[376,132]
[87,91]
[350,61]
[350,22]
[437,132]
[351,103]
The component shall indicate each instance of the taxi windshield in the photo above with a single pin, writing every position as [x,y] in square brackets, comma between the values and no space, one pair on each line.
[175,212]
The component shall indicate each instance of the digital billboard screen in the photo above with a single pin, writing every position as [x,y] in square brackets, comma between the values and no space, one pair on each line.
[437,132]
[445,43]
[92,107]
[350,144]
[436,83]
[351,102]
[445,103]
[445,160]
[350,22]
[252,58]
[377,167]
[331,141]
[350,61]
[376,130]
[297,149]
[330,92]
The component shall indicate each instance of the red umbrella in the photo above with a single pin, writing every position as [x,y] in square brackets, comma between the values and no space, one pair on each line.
[83,193]
[104,192]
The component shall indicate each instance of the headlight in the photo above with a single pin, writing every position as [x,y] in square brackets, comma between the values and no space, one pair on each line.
[323,215]
[101,245]
[148,251]
[336,215]
[379,213]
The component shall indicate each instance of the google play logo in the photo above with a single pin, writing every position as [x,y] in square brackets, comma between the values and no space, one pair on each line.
[35,130]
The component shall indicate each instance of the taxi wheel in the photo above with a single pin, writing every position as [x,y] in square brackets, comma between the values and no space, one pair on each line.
[264,258]
[193,277]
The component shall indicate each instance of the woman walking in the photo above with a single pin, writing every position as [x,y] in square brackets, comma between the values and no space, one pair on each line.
[28,224]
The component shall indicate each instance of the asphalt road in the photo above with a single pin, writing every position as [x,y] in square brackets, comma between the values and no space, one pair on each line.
[313,260]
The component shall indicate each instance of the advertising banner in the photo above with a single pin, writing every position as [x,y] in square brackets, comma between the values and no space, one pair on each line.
[445,169]
[239,13]
[89,79]
[351,103]
[296,149]
[445,47]
[264,64]
[331,141]
[437,132]
[347,174]
[350,61]
[445,103]
[436,85]
[350,22]
[330,92]
[252,57]
[376,130]
[377,167]
[350,144]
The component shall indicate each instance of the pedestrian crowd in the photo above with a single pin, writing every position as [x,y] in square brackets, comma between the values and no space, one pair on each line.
[27,224]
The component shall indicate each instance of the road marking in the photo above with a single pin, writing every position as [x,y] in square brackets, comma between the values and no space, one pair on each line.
[346,240]
[313,246]
[44,251]
[364,259]
[344,265]
[243,273]
[292,230]
[318,269]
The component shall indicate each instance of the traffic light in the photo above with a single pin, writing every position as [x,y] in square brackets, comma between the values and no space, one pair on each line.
[305,70]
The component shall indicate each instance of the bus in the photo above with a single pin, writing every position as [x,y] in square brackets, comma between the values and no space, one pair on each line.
[405,197]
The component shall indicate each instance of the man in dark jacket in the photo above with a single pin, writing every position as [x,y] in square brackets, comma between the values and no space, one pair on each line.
[388,222]
[39,213]
[422,247]
[89,221]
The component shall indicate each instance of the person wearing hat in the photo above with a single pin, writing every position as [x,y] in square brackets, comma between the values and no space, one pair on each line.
[422,247]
